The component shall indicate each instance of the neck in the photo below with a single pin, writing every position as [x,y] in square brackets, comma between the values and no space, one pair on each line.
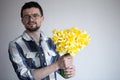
[35,35]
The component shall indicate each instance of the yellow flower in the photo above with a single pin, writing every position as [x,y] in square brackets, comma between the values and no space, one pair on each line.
[70,40]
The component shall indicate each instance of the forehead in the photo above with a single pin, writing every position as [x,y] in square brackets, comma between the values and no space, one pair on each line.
[31,11]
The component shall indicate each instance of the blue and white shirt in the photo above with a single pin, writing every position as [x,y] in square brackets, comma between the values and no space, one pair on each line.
[26,56]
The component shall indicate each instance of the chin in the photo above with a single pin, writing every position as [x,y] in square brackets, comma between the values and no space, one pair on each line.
[33,29]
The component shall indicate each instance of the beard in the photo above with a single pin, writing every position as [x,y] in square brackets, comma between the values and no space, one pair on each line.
[31,27]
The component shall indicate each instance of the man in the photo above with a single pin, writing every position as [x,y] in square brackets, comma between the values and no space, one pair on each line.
[32,54]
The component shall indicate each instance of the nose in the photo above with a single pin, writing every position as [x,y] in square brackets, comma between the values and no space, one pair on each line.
[31,18]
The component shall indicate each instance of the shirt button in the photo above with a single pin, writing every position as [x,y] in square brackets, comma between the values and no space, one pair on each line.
[45,64]
[42,54]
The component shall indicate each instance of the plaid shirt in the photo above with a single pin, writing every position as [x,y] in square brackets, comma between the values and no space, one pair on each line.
[26,56]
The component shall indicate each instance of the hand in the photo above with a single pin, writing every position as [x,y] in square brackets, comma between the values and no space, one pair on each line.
[65,61]
[69,72]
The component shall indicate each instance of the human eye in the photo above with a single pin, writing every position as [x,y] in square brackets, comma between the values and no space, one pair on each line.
[26,17]
[36,15]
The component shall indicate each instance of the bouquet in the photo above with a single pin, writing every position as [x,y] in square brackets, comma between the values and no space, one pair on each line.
[70,40]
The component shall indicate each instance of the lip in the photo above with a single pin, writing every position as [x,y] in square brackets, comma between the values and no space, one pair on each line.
[31,23]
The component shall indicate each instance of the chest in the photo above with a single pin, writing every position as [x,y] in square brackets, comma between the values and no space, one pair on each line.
[35,56]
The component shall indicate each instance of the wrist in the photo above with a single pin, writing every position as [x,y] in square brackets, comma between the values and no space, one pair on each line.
[57,65]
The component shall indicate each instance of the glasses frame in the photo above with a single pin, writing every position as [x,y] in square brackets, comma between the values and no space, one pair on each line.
[33,16]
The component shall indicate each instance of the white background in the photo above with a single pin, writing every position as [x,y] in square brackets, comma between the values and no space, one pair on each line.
[100,60]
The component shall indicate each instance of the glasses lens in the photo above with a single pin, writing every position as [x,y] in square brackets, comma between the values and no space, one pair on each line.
[33,16]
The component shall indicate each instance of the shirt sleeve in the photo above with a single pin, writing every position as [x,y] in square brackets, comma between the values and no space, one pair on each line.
[18,61]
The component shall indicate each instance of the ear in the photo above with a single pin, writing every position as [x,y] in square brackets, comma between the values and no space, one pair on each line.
[42,18]
[22,21]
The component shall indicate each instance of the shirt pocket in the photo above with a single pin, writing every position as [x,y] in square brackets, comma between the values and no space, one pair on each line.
[32,60]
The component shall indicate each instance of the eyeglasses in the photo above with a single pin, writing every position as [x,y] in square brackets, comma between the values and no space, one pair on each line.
[33,16]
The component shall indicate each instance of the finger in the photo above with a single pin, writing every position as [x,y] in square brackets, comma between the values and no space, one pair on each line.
[68,56]
[70,69]
[69,74]
[68,64]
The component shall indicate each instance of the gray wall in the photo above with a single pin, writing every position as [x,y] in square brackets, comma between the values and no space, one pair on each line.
[100,18]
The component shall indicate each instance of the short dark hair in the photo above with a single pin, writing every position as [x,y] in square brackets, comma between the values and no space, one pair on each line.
[30,5]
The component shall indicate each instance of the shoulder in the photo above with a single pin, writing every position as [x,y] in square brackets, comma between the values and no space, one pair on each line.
[16,40]
[12,47]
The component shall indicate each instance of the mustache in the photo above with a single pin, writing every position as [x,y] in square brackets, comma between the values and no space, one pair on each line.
[31,22]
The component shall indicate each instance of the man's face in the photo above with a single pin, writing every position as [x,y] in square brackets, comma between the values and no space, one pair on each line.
[32,19]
